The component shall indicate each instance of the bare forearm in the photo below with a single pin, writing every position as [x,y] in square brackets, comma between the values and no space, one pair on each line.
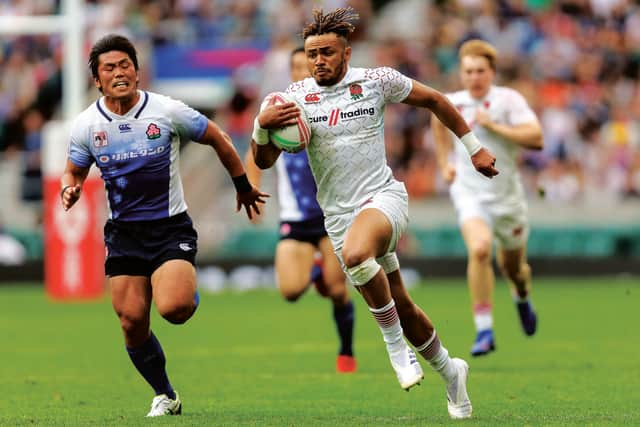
[222,144]
[71,184]
[450,117]
[426,97]
[265,155]
[70,179]
[253,171]
[73,175]
[229,157]
[442,141]
[528,135]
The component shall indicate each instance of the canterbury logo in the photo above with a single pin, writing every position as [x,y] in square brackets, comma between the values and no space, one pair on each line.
[312,98]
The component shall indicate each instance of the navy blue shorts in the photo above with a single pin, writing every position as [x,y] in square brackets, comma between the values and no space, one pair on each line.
[310,231]
[138,248]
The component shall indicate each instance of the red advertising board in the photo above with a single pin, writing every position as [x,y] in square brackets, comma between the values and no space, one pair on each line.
[74,245]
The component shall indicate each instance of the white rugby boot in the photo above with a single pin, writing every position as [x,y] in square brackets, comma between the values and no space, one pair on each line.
[458,402]
[406,365]
[162,405]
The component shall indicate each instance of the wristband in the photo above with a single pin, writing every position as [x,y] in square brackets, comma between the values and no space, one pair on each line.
[259,135]
[471,143]
[242,183]
[64,189]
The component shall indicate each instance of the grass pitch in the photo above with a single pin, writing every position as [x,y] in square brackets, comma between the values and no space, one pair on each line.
[252,359]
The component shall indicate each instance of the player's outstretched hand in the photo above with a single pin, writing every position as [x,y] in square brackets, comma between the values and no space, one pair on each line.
[279,115]
[250,200]
[70,195]
[485,162]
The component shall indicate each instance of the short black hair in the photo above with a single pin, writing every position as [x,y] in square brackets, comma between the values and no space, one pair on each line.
[107,44]
[299,49]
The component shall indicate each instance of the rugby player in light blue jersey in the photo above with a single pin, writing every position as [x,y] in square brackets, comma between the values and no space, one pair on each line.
[134,137]
[302,233]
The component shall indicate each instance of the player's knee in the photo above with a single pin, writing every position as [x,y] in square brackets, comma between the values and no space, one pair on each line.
[354,256]
[480,251]
[362,273]
[177,313]
[290,296]
[134,325]
[291,289]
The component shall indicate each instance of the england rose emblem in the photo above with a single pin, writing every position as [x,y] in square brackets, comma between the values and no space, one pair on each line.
[356,91]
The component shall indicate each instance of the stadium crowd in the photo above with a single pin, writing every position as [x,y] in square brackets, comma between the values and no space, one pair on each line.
[576,61]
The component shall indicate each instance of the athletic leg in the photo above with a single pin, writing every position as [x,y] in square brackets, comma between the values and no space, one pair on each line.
[174,287]
[477,235]
[420,332]
[293,262]
[368,238]
[131,300]
[517,271]
[343,312]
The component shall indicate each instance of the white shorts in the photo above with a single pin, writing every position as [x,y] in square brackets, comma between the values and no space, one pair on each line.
[392,201]
[507,220]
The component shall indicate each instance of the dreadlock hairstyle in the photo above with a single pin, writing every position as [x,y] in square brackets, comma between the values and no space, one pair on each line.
[340,21]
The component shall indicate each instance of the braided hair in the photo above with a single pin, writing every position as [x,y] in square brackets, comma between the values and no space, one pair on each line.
[340,21]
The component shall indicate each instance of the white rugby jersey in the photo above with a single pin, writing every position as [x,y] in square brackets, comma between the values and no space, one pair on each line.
[137,153]
[505,106]
[347,152]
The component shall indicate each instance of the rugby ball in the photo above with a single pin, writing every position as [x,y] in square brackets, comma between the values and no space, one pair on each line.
[292,138]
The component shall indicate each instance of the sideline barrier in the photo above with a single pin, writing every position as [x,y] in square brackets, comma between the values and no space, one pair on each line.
[73,242]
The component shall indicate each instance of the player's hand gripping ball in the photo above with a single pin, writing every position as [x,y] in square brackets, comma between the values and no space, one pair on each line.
[292,138]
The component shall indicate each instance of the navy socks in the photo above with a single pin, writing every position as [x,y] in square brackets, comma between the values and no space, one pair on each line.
[344,318]
[149,360]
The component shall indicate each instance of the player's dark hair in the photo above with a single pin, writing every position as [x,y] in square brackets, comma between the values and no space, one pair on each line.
[294,52]
[340,21]
[299,49]
[107,44]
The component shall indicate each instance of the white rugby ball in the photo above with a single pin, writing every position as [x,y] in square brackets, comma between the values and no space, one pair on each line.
[292,138]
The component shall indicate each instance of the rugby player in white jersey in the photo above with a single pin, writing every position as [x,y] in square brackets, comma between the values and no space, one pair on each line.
[494,209]
[134,138]
[302,233]
[366,209]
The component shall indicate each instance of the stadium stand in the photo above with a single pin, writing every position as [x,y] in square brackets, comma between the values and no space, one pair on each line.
[577,62]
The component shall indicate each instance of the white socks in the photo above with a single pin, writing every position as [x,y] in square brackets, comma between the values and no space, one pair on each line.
[483,317]
[389,322]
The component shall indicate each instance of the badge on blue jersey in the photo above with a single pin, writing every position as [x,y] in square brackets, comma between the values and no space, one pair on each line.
[100,139]
[153,131]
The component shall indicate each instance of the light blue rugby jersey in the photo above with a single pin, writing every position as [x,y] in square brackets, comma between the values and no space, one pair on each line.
[138,154]
[296,188]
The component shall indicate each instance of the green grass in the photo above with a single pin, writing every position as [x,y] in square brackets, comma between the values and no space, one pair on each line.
[252,359]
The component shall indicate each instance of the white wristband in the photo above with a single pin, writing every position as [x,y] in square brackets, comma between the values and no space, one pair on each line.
[471,143]
[259,135]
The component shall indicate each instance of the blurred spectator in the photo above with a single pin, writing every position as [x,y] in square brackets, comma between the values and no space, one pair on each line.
[32,174]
